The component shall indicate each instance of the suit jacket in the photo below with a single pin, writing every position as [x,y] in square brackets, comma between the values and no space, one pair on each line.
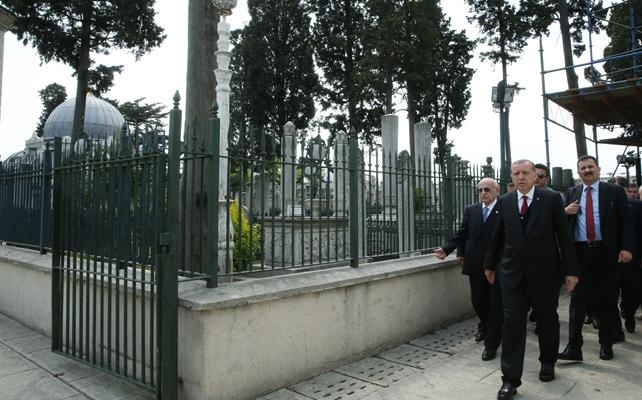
[616,225]
[542,252]
[636,212]
[472,238]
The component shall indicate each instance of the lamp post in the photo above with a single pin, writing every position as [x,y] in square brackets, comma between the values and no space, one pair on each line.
[627,161]
[502,97]
[223,77]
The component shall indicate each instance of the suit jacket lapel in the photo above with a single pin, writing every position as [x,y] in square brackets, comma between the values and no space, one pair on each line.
[483,226]
[476,220]
[575,194]
[603,199]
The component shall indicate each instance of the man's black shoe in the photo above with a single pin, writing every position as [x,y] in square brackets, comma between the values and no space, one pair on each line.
[570,353]
[588,320]
[618,337]
[547,373]
[481,335]
[532,317]
[507,391]
[489,354]
[629,324]
[596,323]
[606,352]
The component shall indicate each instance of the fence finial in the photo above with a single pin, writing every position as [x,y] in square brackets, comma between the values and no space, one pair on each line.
[214,108]
[177,99]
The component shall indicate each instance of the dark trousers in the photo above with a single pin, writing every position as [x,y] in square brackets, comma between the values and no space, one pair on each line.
[487,302]
[599,279]
[516,304]
[631,285]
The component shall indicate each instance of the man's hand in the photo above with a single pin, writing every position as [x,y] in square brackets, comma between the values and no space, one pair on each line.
[490,276]
[625,256]
[572,208]
[440,253]
[571,282]
[461,261]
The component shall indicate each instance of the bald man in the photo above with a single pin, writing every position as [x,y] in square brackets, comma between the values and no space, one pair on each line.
[471,242]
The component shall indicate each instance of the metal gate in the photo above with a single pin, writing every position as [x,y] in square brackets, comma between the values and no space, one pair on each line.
[114,281]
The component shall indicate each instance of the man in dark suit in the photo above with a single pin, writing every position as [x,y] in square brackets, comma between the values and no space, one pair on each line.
[631,279]
[471,242]
[599,215]
[530,253]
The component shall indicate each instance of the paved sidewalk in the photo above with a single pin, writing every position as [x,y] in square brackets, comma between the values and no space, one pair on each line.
[447,365]
[30,371]
[443,365]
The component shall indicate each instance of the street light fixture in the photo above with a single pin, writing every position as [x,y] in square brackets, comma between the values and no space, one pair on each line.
[502,94]
[627,161]
[501,97]
[224,6]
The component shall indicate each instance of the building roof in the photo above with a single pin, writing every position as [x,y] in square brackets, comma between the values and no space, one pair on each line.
[102,119]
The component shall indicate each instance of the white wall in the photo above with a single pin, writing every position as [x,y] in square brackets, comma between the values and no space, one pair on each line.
[247,338]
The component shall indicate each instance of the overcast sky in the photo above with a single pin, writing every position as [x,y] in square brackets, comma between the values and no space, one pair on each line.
[161,72]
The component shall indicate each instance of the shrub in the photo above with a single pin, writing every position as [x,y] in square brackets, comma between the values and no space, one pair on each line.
[247,239]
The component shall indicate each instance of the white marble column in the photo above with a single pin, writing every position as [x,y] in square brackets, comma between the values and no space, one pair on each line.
[389,136]
[288,157]
[341,176]
[223,77]
[6,21]
[406,201]
[423,140]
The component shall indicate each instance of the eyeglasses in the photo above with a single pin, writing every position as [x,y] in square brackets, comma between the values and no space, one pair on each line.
[541,176]
[484,189]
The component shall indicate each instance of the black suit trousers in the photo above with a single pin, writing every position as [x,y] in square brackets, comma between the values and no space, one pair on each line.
[517,302]
[600,279]
[631,284]
[487,302]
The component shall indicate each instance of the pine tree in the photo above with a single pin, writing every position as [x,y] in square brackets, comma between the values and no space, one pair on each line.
[69,31]
[619,32]
[274,67]
[52,96]
[446,104]
[101,79]
[338,30]
[380,66]
[420,55]
[137,113]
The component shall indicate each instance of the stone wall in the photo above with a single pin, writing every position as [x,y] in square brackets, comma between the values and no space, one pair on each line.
[244,339]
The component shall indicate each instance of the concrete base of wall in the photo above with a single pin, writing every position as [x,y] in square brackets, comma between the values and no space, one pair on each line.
[247,338]
[25,287]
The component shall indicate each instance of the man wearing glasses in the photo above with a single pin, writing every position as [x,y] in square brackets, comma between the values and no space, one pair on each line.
[471,241]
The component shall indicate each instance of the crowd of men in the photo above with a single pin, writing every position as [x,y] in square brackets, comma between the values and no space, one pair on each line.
[519,249]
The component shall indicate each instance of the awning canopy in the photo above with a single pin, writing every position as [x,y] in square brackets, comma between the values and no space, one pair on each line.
[616,103]
[623,141]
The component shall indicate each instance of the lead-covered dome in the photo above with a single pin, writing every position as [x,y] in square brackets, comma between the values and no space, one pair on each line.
[101,119]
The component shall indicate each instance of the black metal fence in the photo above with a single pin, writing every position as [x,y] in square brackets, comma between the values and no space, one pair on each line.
[25,201]
[285,203]
[289,201]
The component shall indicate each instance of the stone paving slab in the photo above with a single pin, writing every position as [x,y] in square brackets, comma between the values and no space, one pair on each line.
[378,371]
[30,371]
[334,386]
[34,384]
[414,356]
[284,394]
[447,365]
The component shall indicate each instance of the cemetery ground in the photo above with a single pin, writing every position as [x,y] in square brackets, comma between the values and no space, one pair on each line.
[444,365]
